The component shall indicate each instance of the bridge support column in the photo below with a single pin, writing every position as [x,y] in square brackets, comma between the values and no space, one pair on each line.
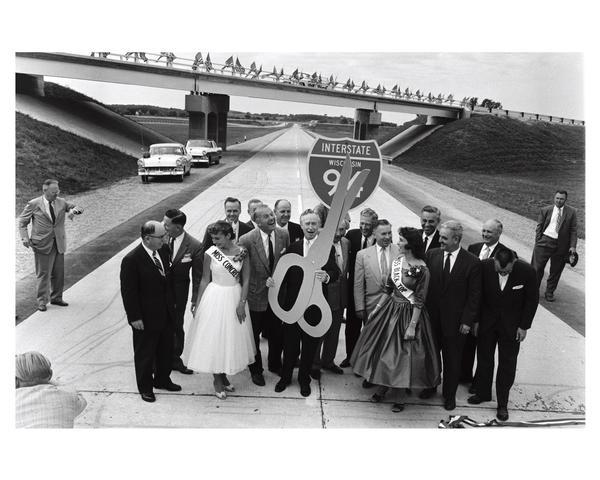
[431,120]
[30,84]
[208,117]
[366,124]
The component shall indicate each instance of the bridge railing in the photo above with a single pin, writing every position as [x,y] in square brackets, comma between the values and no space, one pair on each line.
[527,116]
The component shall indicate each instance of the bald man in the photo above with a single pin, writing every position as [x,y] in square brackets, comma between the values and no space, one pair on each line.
[149,301]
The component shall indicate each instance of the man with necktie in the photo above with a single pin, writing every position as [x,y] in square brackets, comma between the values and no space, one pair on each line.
[283,212]
[490,234]
[430,219]
[555,239]
[48,241]
[453,303]
[233,208]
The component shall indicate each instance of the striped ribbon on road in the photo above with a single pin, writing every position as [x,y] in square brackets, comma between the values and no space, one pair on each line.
[460,421]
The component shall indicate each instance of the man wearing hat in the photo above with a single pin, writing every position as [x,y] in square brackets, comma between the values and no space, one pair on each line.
[555,240]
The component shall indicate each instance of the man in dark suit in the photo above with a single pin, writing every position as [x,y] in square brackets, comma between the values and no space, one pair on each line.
[490,234]
[295,340]
[185,254]
[337,298]
[555,239]
[361,237]
[509,301]
[48,241]
[283,212]
[452,302]
[265,246]
[149,301]
[233,208]
[430,219]
[252,204]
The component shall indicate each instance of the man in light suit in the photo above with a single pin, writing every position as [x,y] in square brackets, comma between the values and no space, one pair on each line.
[48,241]
[252,204]
[510,297]
[430,219]
[185,254]
[490,234]
[337,298]
[371,272]
[233,208]
[555,239]
[149,301]
[283,212]
[359,238]
[265,245]
[453,303]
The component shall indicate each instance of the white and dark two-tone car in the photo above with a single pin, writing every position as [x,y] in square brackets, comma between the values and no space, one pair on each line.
[204,152]
[165,159]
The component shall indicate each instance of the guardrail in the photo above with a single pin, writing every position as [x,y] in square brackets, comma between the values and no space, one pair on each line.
[527,116]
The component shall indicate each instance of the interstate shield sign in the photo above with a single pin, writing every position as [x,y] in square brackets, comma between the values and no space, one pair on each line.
[326,159]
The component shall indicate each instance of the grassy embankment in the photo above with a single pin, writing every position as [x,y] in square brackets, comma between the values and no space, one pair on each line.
[45,151]
[510,163]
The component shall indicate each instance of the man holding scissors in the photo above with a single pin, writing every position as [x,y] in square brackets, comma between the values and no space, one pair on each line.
[295,340]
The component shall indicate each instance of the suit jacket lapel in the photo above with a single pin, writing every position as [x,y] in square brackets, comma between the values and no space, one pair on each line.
[42,207]
[182,248]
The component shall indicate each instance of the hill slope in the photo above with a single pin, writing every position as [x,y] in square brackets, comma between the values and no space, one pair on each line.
[514,164]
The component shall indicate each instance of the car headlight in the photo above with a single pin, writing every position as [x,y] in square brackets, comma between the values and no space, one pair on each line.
[140,163]
[178,162]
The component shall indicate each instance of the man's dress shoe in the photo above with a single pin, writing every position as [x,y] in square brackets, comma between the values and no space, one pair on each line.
[258,379]
[450,404]
[183,369]
[397,407]
[170,387]
[376,398]
[345,363]
[280,386]
[549,296]
[427,393]
[334,369]
[502,413]
[42,307]
[315,373]
[60,303]
[304,389]
[148,397]
[367,384]
[476,399]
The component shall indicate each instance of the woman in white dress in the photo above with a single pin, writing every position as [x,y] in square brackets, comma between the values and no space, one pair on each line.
[220,339]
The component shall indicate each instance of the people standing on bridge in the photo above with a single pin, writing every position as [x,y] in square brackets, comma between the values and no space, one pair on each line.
[220,339]
[48,241]
[265,246]
[555,240]
[396,348]
[283,213]
[430,219]
[360,238]
[185,254]
[295,340]
[490,234]
[510,296]
[371,271]
[149,301]
[233,208]
[453,302]
[252,204]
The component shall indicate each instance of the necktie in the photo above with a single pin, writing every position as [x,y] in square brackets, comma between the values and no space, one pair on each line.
[446,271]
[271,255]
[558,219]
[485,253]
[172,248]
[425,241]
[383,264]
[52,212]
[338,256]
[157,263]
[364,244]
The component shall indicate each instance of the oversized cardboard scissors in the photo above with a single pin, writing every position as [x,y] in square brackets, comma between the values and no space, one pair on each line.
[311,292]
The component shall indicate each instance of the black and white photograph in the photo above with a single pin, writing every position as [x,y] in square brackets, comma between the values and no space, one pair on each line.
[247,236]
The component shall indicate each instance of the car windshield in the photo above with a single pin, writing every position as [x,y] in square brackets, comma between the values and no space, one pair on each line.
[200,143]
[166,150]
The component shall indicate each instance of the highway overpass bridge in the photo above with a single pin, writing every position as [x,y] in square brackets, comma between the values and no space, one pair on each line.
[208,92]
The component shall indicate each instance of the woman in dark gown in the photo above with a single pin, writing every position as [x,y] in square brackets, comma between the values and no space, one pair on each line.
[396,347]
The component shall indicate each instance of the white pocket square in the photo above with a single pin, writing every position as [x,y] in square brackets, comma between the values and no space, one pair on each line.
[186,260]
[517,287]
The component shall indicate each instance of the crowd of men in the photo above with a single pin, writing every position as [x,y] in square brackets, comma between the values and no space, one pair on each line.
[480,298]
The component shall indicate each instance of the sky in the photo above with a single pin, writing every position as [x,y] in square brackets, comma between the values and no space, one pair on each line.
[545,83]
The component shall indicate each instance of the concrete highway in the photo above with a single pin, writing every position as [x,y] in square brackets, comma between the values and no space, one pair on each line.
[89,343]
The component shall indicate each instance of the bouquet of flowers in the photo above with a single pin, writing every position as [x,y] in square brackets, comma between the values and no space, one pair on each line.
[415,271]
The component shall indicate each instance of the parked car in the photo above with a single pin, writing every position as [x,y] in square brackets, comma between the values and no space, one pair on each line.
[204,152]
[165,159]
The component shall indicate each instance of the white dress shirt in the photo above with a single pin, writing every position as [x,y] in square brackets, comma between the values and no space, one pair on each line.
[47,207]
[552,229]
[427,239]
[489,252]
[503,279]
[339,258]
[453,256]
[387,257]
[150,252]
[236,230]
[307,244]
[176,244]
[265,241]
